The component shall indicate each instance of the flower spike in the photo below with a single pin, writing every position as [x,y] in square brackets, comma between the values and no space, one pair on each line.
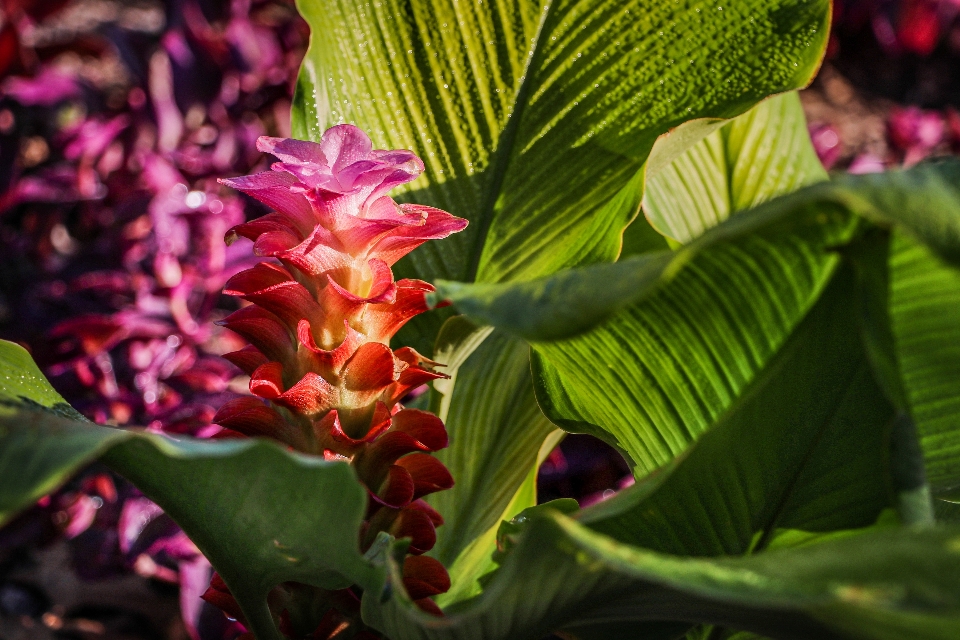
[324,378]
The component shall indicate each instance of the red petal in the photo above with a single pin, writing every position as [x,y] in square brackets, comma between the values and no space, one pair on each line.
[219,596]
[329,432]
[420,505]
[418,526]
[318,254]
[429,474]
[373,462]
[411,430]
[428,606]
[267,381]
[272,233]
[372,368]
[263,329]
[328,361]
[252,417]
[396,489]
[382,321]
[425,427]
[246,359]
[383,290]
[310,396]
[424,576]
[289,301]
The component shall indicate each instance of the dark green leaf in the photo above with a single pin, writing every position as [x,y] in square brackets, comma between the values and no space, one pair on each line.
[806,446]
[893,583]
[925,314]
[261,514]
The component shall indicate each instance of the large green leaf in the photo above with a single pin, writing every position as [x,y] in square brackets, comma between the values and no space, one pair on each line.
[894,583]
[534,118]
[925,314]
[762,154]
[805,447]
[664,369]
[496,432]
[686,350]
[261,514]
[476,559]
[784,476]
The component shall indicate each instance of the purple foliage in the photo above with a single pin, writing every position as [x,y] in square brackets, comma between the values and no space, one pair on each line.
[111,238]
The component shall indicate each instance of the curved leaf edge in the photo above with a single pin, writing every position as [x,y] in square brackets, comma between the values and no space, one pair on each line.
[878,576]
[573,301]
[130,452]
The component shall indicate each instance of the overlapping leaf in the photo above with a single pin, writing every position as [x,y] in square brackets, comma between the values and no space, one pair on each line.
[261,514]
[496,432]
[925,315]
[685,351]
[737,166]
[762,154]
[532,117]
[886,584]
[786,475]
[807,446]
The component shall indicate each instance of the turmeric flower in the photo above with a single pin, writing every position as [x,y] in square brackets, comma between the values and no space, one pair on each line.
[320,324]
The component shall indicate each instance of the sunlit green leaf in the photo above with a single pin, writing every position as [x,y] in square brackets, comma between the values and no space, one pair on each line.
[925,313]
[805,447]
[496,432]
[533,116]
[762,154]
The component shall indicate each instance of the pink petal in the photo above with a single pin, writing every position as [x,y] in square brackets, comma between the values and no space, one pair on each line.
[437,224]
[343,145]
[293,151]
[272,223]
[273,189]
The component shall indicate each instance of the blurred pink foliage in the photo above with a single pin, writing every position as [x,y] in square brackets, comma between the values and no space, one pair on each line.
[112,227]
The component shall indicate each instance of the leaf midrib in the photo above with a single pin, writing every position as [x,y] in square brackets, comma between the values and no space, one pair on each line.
[504,150]
[780,506]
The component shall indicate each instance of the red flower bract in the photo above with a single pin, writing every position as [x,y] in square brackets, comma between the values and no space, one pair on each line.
[321,321]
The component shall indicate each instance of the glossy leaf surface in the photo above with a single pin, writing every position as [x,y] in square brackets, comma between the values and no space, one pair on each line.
[534,117]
